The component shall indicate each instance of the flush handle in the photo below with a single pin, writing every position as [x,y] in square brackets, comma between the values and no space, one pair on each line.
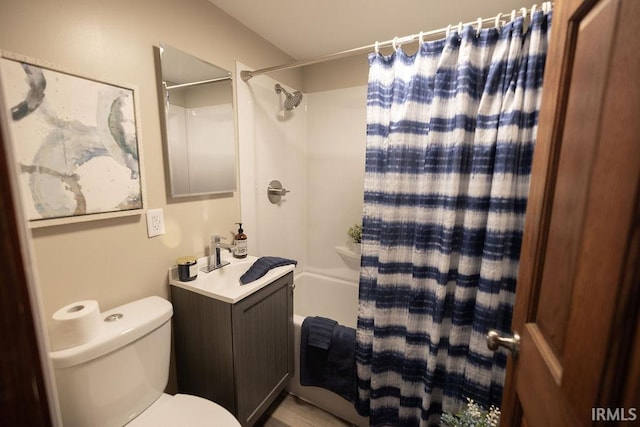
[495,341]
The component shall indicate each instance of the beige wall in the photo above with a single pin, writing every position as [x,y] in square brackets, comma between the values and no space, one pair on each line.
[337,74]
[343,73]
[112,260]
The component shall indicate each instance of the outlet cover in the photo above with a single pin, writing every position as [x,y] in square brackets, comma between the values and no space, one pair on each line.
[155,222]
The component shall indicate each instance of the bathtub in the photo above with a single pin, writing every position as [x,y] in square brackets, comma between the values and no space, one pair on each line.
[317,295]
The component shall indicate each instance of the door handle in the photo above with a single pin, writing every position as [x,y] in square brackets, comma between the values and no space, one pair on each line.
[494,341]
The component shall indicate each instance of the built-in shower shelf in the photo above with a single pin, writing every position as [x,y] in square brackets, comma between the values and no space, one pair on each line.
[347,252]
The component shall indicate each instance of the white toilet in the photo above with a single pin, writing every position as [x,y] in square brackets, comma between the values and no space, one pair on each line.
[119,377]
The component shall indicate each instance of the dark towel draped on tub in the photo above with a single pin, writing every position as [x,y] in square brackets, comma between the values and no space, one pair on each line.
[262,267]
[327,356]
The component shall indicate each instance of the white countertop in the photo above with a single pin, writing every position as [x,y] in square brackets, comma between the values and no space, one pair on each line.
[224,285]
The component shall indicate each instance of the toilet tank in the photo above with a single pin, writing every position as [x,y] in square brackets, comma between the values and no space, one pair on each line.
[124,369]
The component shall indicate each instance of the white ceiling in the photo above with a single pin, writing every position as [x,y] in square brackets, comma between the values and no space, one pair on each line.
[308,28]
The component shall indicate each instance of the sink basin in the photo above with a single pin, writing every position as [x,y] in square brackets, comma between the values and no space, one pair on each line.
[229,275]
[224,283]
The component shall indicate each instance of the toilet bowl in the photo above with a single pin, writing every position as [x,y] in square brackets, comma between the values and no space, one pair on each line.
[118,377]
[184,410]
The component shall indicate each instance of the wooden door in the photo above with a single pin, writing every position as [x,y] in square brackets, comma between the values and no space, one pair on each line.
[25,388]
[577,299]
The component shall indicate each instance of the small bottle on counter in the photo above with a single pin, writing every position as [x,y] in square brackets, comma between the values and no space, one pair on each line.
[240,243]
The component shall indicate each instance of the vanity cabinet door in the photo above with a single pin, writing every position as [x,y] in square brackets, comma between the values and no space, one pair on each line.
[203,347]
[263,347]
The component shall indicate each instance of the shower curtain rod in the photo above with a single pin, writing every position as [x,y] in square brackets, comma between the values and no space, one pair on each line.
[201,82]
[397,41]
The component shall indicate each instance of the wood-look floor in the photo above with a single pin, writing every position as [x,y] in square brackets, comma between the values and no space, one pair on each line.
[290,411]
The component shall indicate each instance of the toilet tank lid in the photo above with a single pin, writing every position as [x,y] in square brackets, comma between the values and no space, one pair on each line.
[137,319]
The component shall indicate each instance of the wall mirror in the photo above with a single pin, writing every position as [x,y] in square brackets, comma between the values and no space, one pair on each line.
[199,124]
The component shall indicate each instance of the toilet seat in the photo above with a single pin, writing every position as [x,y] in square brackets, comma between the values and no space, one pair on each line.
[184,410]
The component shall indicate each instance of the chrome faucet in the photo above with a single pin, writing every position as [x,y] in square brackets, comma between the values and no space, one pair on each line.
[215,261]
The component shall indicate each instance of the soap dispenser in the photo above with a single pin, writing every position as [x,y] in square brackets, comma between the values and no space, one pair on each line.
[240,242]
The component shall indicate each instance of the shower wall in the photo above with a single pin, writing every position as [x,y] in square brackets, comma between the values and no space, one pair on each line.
[336,134]
[271,146]
[317,151]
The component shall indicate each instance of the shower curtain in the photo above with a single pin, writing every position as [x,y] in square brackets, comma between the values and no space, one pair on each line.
[450,136]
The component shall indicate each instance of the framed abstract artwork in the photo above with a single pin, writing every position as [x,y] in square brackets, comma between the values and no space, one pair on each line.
[76,142]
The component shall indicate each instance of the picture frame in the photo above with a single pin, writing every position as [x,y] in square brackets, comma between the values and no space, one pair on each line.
[76,141]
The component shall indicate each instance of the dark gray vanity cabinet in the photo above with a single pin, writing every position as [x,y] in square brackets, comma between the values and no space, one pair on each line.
[238,355]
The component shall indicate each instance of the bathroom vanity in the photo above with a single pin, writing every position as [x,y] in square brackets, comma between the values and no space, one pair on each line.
[237,352]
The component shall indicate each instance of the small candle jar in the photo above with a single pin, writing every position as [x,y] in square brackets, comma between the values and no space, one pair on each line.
[187,268]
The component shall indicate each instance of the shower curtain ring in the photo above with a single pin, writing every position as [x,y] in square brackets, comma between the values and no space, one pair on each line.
[479,27]
[498,16]
[376,47]
[395,43]
[448,30]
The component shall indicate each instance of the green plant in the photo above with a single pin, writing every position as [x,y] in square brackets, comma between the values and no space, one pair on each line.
[355,232]
[473,416]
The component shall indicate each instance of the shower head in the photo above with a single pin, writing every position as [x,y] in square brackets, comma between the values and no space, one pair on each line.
[292,100]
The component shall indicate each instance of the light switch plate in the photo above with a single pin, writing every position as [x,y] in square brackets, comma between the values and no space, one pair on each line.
[155,222]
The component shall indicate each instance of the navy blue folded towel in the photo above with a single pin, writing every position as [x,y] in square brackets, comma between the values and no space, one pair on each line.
[320,332]
[262,266]
[333,368]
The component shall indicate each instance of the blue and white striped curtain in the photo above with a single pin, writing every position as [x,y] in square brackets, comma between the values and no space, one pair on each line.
[450,137]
